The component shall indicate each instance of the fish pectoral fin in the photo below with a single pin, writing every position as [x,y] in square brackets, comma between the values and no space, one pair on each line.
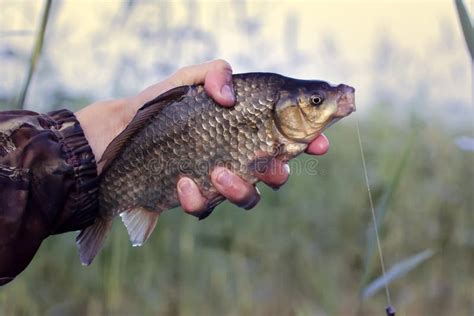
[140,223]
[91,239]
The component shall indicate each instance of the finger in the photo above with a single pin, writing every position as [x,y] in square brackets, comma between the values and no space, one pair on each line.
[190,196]
[189,75]
[319,146]
[216,76]
[218,83]
[273,173]
[234,188]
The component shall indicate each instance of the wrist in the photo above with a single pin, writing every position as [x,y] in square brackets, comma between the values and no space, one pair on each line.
[78,173]
[102,121]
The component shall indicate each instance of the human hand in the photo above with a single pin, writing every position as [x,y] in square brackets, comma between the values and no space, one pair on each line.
[217,77]
[103,121]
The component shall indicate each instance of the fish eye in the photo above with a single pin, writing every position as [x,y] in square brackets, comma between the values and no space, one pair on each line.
[316,99]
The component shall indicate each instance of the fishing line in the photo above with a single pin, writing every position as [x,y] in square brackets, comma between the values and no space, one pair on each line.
[390,310]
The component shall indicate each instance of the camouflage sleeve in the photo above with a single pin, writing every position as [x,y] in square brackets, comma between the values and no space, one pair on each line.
[48,183]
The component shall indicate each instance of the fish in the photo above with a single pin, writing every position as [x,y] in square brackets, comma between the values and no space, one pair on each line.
[184,133]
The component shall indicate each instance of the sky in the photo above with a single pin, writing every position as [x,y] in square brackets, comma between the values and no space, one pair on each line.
[402,52]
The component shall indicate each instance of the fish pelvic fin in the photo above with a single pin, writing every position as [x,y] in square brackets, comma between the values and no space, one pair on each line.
[91,239]
[140,223]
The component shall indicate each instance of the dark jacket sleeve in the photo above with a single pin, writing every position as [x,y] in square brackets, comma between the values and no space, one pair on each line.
[48,183]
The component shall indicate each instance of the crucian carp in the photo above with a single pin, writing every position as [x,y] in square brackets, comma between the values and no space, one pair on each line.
[183,132]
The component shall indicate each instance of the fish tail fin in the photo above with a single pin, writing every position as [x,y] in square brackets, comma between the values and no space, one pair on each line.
[91,239]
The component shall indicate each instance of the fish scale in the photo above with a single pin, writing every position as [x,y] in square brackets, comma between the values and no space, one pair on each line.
[185,133]
[206,121]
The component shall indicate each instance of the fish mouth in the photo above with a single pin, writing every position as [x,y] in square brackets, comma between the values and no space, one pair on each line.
[334,120]
[345,101]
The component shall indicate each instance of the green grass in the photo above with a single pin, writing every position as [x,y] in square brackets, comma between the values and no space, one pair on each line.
[466,26]
[299,252]
[304,250]
[35,55]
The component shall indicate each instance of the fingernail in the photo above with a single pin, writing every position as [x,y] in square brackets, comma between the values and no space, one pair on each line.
[185,187]
[227,92]
[224,178]
[251,204]
[275,187]
[287,170]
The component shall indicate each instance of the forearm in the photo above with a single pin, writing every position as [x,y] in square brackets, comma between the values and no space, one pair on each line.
[48,183]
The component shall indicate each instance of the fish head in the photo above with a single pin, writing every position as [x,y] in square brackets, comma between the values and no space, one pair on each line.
[304,108]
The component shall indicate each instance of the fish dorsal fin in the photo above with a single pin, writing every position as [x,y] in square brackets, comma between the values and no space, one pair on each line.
[140,223]
[146,112]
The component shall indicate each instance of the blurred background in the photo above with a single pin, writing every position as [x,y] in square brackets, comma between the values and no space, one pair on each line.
[308,249]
